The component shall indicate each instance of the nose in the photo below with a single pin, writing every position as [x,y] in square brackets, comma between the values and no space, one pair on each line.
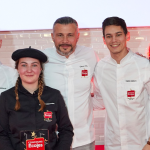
[65,39]
[29,69]
[114,38]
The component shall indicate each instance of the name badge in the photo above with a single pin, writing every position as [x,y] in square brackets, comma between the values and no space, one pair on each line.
[35,144]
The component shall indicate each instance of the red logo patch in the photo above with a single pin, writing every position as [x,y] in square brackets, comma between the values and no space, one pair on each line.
[35,144]
[131,93]
[84,73]
[48,114]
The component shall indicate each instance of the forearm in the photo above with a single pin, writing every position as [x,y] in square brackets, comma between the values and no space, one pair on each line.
[64,141]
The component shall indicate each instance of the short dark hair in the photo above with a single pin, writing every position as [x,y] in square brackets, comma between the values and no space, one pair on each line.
[65,20]
[114,21]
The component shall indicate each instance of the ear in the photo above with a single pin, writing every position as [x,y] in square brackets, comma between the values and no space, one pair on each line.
[104,40]
[52,35]
[128,36]
[78,36]
[0,43]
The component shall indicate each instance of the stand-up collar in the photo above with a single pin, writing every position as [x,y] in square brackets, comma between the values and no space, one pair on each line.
[23,90]
[125,59]
[63,58]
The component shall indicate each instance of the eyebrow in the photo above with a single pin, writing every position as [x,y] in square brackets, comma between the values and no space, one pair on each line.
[115,33]
[31,63]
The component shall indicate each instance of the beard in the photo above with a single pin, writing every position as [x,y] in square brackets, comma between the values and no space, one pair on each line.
[64,53]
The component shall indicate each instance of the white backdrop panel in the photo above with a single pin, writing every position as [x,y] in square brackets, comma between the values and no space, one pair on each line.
[41,14]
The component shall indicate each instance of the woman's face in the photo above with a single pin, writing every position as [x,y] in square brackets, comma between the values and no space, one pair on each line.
[29,70]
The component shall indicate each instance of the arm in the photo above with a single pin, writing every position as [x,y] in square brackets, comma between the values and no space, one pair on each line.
[147,86]
[65,128]
[97,100]
[12,77]
[5,143]
[147,146]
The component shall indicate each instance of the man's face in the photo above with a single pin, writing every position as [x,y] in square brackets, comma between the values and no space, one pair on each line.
[0,43]
[65,38]
[115,39]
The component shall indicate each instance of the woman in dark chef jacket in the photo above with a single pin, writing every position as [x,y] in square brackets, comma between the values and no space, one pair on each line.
[30,111]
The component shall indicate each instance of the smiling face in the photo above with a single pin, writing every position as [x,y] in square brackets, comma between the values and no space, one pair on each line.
[65,37]
[29,70]
[115,39]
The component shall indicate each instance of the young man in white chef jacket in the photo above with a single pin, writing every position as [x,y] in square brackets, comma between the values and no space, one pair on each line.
[122,80]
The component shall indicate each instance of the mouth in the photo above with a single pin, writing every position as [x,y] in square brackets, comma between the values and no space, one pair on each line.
[29,75]
[65,46]
[114,45]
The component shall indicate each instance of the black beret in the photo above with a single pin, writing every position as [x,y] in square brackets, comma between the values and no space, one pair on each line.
[29,52]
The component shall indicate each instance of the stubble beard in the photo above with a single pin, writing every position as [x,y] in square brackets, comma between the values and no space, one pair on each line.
[65,53]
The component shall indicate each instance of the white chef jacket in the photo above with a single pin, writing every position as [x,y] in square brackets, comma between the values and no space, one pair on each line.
[8,77]
[124,88]
[72,77]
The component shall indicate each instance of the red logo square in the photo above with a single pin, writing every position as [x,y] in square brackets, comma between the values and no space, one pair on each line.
[48,114]
[84,73]
[131,93]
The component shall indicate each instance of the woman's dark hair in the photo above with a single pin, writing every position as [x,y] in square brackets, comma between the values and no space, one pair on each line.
[40,85]
[114,21]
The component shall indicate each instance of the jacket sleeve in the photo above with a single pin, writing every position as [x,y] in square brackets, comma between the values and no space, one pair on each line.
[5,143]
[97,100]
[65,127]
[12,76]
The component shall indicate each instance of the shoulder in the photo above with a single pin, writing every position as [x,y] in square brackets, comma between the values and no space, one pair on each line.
[103,61]
[85,53]
[141,61]
[8,69]
[48,51]
[8,94]
[84,49]
[51,90]
[9,91]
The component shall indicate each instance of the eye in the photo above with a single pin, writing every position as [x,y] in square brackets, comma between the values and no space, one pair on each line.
[23,65]
[34,65]
[70,35]
[119,34]
[108,36]
[59,35]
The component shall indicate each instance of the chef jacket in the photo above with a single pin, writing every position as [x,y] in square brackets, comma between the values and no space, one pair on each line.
[8,77]
[124,88]
[72,77]
[29,118]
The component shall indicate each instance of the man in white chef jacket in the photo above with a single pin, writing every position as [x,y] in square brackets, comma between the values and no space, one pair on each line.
[122,80]
[8,76]
[69,69]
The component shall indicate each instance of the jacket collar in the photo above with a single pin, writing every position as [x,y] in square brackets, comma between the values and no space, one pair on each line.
[125,59]
[23,90]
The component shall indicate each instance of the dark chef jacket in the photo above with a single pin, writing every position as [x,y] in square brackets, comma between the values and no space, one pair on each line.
[30,119]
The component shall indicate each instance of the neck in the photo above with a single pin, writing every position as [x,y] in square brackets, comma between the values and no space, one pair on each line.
[119,56]
[30,87]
